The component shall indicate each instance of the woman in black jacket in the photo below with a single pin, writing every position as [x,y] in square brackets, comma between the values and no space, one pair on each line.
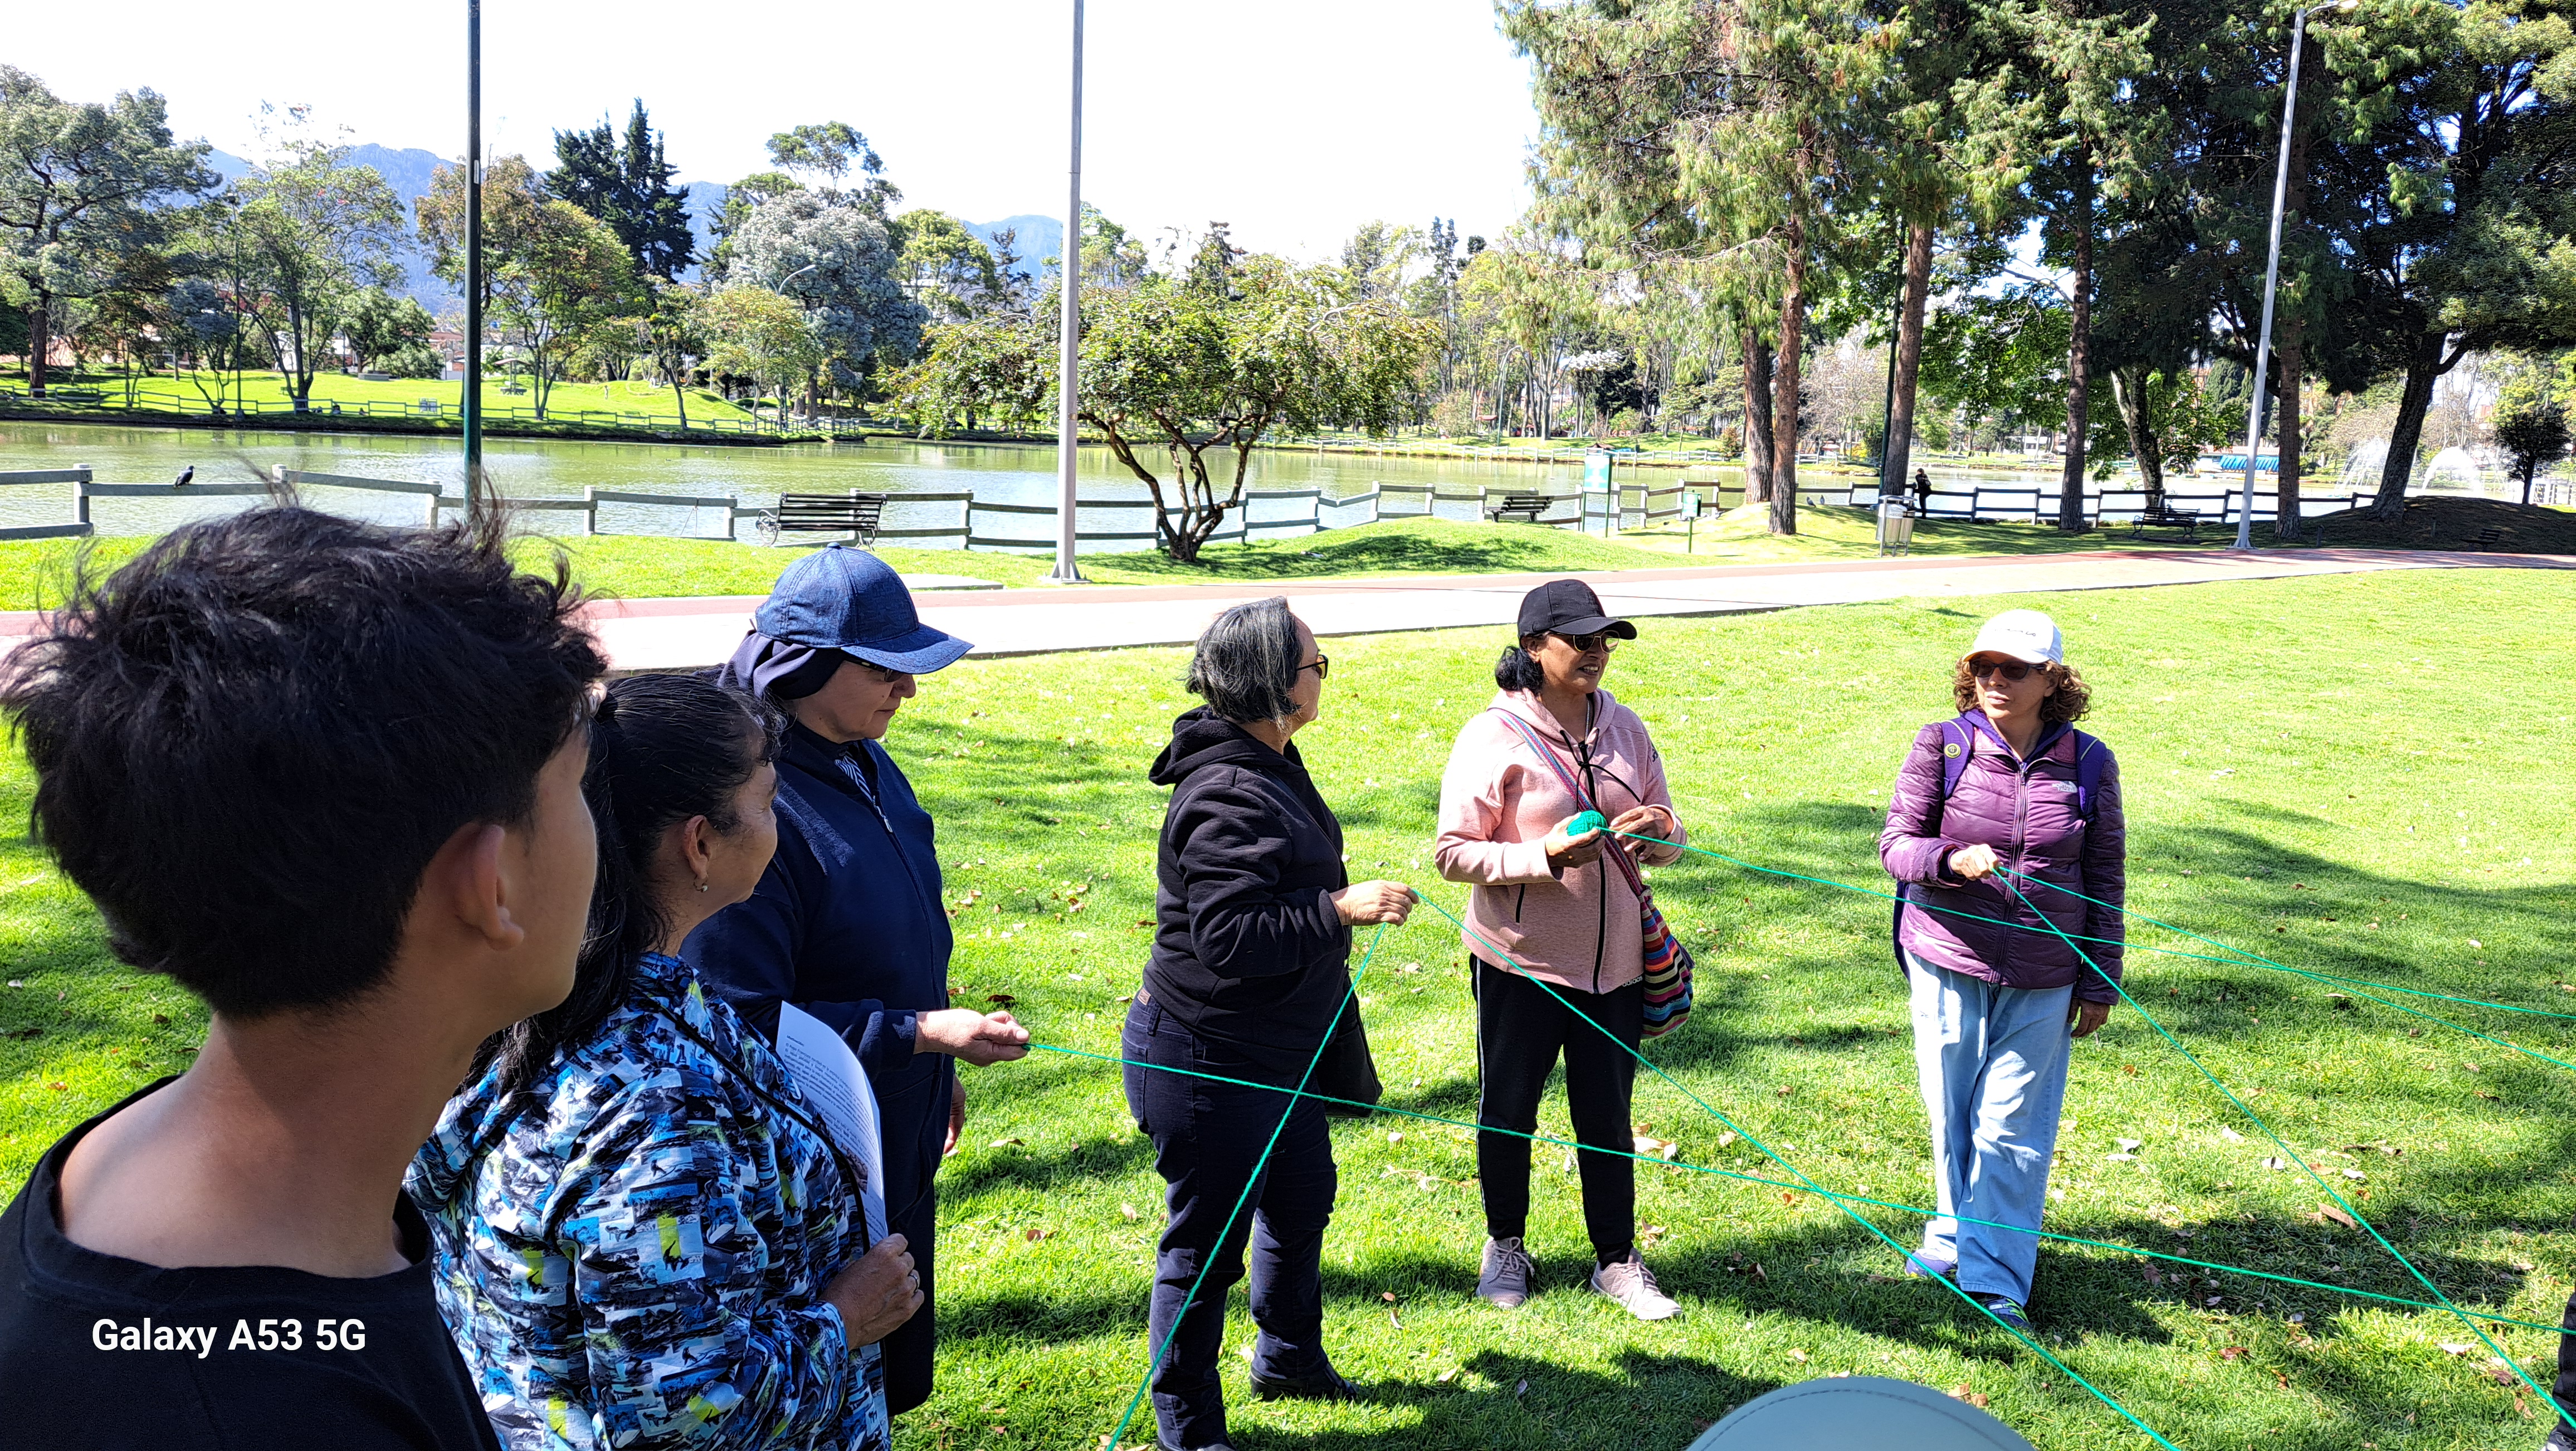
[1251,963]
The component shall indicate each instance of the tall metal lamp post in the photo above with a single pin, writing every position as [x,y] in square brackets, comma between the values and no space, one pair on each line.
[2272,266]
[1069,344]
[473,397]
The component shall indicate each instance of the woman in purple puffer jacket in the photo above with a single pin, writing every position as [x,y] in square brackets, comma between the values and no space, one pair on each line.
[1998,996]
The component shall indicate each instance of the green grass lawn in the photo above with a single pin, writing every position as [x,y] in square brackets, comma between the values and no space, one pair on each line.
[637,566]
[271,388]
[2362,775]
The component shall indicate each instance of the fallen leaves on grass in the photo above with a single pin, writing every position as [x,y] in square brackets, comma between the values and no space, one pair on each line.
[1033,1234]
[1005,1143]
[1127,1211]
[2329,1212]
[2233,1352]
[1962,1393]
[1798,1355]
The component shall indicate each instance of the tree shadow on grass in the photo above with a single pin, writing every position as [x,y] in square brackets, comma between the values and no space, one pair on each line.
[1519,1400]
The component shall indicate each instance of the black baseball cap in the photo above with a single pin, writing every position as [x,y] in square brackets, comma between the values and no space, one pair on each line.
[1568,607]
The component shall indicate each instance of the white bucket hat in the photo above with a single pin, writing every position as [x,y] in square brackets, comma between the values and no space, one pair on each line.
[2024,635]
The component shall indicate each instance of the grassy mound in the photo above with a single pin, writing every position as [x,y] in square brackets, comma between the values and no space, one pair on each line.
[2438,522]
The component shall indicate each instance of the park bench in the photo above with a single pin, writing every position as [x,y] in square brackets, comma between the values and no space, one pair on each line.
[72,395]
[1527,506]
[2163,516]
[2488,538]
[852,513]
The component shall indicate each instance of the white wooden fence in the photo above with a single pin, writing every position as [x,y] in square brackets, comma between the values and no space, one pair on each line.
[964,521]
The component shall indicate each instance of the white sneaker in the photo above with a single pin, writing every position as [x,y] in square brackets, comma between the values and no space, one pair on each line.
[1633,1285]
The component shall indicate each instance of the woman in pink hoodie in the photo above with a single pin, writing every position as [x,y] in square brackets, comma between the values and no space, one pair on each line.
[1546,907]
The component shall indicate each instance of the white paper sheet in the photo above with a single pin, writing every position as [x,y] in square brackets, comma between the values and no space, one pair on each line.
[828,1077]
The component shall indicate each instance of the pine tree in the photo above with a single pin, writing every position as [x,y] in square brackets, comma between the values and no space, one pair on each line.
[627,184]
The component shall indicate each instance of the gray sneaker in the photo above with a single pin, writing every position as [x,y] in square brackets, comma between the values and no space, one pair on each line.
[1505,1278]
[1633,1285]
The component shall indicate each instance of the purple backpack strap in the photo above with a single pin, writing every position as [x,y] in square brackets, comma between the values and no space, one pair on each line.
[2091,756]
[1959,745]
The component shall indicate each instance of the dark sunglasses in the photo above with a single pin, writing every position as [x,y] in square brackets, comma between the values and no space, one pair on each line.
[882,675]
[1600,640]
[1322,665]
[2013,670]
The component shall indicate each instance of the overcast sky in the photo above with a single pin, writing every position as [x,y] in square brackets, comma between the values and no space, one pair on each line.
[1294,122]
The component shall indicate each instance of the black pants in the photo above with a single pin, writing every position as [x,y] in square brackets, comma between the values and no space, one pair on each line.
[1520,1029]
[1206,1138]
[908,1351]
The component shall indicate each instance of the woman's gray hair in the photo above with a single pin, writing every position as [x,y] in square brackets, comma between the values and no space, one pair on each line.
[1247,662]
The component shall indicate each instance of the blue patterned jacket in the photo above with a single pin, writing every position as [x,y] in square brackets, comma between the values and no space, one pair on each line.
[632,1255]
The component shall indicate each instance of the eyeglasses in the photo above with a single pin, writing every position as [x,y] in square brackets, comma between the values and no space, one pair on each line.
[1598,640]
[2013,670]
[882,675]
[1322,665]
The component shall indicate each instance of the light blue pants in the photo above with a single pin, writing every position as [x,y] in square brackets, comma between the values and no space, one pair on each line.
[1993,1065]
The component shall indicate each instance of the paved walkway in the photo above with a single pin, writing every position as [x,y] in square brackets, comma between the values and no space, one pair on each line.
[677,634]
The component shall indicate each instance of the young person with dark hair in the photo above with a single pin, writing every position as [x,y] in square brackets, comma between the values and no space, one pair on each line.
[327,777]
[646,1239]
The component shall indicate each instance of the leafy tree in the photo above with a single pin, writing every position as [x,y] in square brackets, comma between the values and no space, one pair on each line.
[674,332]
[2078,69]
[315,230]
[1110,257]
[997,366]
[1728,131]
[627,184]
[2469,110]
[1181,367]
[2530,423]
[78,187]
[1999,357]
[836,259]
[759,334]
[379,325]
[832,150]
[946,268]
[551,270]
[1013,292]
[742,199]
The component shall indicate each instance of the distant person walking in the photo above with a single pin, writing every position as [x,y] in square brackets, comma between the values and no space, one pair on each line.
[1922,493]
[2008,786]
[1548,906]
[1250,970]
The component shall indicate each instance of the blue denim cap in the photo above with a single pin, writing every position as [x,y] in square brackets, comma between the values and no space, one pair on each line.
[844,599]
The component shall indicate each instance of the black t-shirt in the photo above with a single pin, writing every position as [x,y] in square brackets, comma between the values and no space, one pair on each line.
[102,1352]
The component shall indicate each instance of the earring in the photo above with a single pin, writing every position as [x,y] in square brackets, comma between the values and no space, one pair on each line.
[702,886]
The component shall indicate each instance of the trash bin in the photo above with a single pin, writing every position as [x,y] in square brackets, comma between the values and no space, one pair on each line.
[1895,527]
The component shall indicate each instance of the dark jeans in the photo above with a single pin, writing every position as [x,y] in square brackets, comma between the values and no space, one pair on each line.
[1520,1029]
[1206,1139]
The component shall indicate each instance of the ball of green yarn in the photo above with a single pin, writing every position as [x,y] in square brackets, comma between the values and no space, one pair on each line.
[1583,821]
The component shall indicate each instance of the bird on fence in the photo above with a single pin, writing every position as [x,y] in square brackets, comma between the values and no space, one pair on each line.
[187,476]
